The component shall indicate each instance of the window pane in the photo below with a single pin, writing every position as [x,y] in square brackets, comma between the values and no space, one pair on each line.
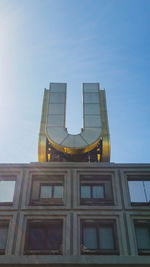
[147,189]
[108,191]
[37,238]
[46,191]
[143,237]
[58,191]
[54,237]
[98,191]
[3,236]
[7,189]
[85,191]
[89,237]
[136,190]
[106,238]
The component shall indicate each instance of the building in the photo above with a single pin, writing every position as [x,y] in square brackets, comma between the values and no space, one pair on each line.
[74,207]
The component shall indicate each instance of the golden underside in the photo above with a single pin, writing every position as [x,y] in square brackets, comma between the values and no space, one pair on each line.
[73,150]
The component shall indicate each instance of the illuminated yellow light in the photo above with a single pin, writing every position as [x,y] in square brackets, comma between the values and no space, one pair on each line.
[49,156]
[98,157]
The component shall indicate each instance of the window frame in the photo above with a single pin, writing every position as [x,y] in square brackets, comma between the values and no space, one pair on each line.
[46,224]
[92,181]
[142,223]
[92,199]
[47,182]
[97,224]
[137,179]
[4,223]
[52,199]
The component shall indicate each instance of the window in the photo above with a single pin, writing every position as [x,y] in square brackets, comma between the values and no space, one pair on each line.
[3,236]
[142,231]
[51,191]
[98,237]
[7,188]
[44,237]
[96,190]
[139,192]
[92,191]
[47,190]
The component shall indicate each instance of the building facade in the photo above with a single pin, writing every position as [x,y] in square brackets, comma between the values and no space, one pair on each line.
[74,207]
[75,213]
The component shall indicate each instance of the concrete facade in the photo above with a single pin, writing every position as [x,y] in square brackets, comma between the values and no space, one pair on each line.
[71,212]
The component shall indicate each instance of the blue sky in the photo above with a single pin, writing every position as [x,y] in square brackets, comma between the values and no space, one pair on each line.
[75,41]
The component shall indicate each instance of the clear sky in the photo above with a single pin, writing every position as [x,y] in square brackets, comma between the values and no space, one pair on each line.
[75,41]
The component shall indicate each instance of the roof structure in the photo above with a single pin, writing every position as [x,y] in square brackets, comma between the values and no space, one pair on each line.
[94,135]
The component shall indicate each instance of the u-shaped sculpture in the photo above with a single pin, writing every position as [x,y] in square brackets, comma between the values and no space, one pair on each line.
[95,122]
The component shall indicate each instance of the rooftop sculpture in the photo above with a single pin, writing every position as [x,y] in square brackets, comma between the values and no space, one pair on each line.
[91,144]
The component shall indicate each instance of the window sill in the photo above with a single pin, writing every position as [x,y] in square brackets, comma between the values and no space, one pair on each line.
[2,251]
[47,203]
[144,252]
[100,252]
[6,203]
[93,202]
[43,252]
[140,203]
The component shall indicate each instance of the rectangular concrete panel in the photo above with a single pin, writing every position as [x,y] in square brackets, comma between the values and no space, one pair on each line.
[91,109]
[91,97]
[57,98]
[58,87]
[90,87]
[55,120]
[56,109]
[92,121]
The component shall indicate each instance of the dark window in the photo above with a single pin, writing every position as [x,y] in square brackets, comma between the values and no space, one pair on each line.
[142,231]
[92,191]
[98,237]
[95,191]
[50,191]
[139,192]
[7,188]
[3,236]
[44,237]
[47,190]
